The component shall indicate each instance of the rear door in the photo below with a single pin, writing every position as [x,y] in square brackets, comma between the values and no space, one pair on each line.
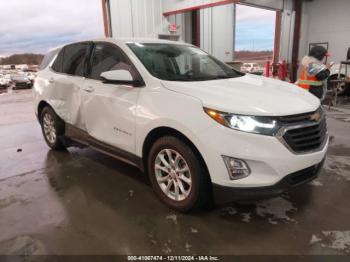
[109,109]
[67,81]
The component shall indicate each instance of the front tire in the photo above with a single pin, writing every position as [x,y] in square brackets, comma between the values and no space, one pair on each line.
[178,176]
[52,128]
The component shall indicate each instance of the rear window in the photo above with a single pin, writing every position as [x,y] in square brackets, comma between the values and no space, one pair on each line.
[57,65]
[48,58]
[74,59]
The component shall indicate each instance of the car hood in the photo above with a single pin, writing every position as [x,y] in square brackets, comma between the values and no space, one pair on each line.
[250,95]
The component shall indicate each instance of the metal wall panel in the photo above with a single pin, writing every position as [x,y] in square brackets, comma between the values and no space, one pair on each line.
[217,28]
[121,18]
[326,21]
[137,18]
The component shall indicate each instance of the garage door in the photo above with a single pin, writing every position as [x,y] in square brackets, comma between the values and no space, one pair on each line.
[178,6]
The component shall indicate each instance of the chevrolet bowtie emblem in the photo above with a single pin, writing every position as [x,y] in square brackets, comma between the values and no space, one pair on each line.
[315,117]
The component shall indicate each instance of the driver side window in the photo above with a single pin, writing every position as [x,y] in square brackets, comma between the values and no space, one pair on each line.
[107,57]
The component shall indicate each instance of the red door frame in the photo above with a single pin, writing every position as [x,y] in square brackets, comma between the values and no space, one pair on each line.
[105,18]
[196,37]
[298,8]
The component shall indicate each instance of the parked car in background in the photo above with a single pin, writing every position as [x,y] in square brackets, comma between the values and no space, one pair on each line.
[252,68]
[5,81]
[20,81]
[31,76]
[197,127]
[342,88]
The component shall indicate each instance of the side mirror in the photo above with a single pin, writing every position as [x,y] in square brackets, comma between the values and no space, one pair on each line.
[121,77]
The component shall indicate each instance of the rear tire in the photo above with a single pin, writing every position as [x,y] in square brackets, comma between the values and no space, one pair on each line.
[52,128]
[178,176]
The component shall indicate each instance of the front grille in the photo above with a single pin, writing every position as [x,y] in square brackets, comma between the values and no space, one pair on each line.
[302,134]
[306,138]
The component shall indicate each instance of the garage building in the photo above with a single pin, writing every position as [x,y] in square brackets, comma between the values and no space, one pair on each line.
[299,23]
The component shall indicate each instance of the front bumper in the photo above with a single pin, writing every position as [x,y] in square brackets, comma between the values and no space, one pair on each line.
[268,158]
[225,194]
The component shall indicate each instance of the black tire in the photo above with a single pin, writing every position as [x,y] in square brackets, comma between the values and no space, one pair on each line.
[58,125]
[200,191]
[346,87]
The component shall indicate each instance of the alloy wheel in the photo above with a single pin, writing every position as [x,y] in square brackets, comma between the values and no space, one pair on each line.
[173,174]
[49,128]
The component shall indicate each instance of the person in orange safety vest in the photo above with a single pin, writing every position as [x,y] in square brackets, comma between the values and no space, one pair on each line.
[314,72]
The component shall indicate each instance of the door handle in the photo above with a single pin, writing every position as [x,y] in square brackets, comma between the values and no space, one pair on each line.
[89,89]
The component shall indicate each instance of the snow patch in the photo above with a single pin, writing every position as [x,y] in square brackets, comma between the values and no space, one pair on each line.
[246,217]
[275,210]
[166,249]
[173,218]
[229,210]
[188,246]
[315,239]
[338,240]
[315,183]
[340,165]
[194,231]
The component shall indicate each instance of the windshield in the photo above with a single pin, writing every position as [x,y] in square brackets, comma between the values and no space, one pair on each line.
[175,62]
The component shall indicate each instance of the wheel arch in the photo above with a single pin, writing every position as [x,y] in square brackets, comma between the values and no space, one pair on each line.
[42,104]
[162,131]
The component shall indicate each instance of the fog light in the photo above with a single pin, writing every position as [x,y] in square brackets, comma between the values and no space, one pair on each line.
[236,168]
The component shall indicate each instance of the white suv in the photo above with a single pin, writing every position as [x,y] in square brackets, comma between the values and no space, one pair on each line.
[198,128]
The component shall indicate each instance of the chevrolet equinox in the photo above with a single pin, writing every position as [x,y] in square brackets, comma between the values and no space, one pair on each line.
[198,128]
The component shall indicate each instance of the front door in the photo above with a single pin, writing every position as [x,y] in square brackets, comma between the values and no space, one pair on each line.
[109,109]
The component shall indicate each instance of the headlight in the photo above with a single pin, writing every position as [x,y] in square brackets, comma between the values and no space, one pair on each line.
[253,124]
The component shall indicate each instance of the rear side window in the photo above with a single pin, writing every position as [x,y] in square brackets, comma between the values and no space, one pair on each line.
[74,59]
[57,65]
[48,58]
[107,57]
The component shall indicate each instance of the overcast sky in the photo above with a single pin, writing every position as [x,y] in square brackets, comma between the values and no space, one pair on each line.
[38,25]
[255,28]
[35,26]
